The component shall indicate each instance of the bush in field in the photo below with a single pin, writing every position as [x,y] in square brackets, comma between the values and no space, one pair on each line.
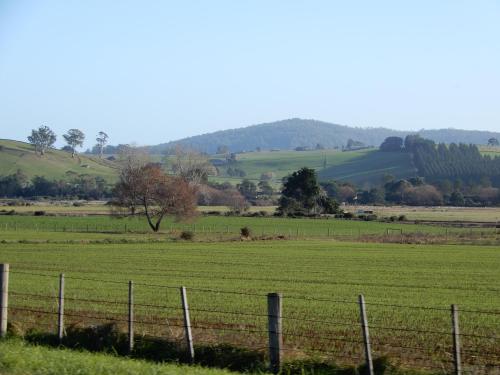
[302,195]
[402,218]
[245,232]
[187,235]
[369,217]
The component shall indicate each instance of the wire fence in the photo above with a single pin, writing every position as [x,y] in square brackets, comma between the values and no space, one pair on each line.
[267,323]
[261,227]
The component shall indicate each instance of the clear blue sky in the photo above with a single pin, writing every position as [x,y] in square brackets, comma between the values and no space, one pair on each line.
[151,72]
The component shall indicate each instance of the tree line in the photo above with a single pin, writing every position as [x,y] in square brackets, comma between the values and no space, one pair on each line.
[454,174]
[44,138]
[78,187]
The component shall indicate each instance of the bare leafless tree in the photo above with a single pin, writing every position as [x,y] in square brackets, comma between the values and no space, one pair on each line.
[147,190]
[192,166]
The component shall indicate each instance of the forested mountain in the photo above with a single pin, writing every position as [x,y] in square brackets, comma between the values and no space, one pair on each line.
[293,133]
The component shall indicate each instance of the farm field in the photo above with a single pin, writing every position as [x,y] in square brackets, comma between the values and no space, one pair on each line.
[465,214]
[459,214]
[408,291]
[217,228]
[490,150]
[100,208]
[17,358]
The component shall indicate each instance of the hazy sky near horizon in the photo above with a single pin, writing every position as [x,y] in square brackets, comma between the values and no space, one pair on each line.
[154,71]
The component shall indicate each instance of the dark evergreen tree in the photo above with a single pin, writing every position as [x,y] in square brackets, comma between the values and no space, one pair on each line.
[392,144]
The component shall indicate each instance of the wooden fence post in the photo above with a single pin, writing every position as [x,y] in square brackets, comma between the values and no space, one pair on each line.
[60,311]
[4,298]
[456,340]
[130,316]
[274,309]
[366,335]
[187,325]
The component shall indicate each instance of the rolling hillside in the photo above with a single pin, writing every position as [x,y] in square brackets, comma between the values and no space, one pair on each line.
[55,164]
[292,133]
[364,167]
[368,168]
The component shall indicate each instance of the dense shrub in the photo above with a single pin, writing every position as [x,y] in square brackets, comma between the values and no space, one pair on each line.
[245,232]
[39,213]
[187,235]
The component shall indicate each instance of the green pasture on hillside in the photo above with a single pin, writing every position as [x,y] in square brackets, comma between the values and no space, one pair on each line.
[362,166]
[369,168]
[55,164]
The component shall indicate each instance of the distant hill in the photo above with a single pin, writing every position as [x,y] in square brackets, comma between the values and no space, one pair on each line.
[55,164]
[292,133]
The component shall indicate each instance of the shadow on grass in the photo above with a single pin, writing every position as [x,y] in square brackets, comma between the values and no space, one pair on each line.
[107,338]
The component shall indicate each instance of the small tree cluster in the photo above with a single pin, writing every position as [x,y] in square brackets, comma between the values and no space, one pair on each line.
[302,195]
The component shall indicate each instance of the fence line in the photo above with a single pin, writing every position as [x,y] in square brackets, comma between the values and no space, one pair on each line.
[274,317]
[290,231]
[297,297]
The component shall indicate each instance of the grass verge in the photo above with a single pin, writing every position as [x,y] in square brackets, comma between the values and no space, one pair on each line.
[20,358]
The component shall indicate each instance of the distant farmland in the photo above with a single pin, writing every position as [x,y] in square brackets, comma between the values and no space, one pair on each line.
[363,166]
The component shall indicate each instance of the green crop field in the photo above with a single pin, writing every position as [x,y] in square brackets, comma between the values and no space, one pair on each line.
[320,266]
[408,290]
[54,164]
